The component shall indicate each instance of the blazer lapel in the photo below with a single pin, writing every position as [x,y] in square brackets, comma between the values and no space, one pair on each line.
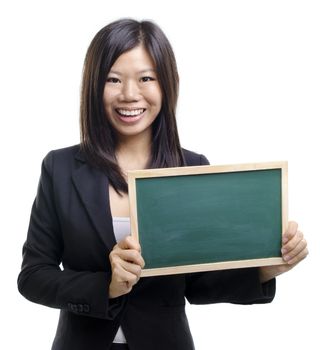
[92,186]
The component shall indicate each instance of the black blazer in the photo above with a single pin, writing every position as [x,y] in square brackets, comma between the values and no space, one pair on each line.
[71,224]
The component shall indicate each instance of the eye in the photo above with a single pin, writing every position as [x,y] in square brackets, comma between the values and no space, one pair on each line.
[113,80]
[145,79]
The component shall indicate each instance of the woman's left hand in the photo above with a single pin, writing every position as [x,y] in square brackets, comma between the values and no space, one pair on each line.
[294,249]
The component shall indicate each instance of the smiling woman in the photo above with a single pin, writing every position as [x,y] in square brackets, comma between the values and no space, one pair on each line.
[80,216]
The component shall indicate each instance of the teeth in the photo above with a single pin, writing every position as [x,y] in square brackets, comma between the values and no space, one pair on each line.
[131,113]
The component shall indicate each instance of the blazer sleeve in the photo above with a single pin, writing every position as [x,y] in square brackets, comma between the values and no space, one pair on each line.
[237,286]
[41,279]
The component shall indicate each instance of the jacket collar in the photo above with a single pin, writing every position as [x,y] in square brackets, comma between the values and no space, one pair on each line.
[93,189]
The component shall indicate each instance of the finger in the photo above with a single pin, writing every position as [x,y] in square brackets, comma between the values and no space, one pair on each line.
[131,255]
[121,275]
[128,255]
[298,257]
[129,243]
[289,254]
[132,268]
[290,231]
[119,265]
[292,243]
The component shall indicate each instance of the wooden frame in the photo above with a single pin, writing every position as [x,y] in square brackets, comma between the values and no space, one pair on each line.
[200,170]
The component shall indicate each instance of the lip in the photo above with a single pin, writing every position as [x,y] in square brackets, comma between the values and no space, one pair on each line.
[130,119]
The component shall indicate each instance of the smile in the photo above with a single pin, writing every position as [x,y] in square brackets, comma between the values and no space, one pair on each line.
[130,112]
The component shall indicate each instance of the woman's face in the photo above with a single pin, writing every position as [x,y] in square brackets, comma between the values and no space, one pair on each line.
[132,96]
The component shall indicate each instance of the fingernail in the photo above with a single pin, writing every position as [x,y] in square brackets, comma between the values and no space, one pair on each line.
[286,258]
[283,250]
[284,239]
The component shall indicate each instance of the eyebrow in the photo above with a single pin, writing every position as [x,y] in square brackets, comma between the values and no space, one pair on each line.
[140,72]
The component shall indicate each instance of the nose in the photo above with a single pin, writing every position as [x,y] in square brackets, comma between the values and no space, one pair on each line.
[130,91]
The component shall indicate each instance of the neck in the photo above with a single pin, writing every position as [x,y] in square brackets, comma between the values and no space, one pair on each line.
[133,152]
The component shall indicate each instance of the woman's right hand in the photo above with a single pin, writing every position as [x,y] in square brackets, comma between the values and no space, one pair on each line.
[126,264]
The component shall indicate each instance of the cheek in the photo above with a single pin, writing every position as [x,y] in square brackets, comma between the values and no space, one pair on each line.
[155,97]
[108,97]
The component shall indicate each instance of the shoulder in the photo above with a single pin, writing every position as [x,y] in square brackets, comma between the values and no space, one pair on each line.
[65,152]
[63,157]
[193,159]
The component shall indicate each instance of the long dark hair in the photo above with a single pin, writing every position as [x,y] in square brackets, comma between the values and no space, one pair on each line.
[98,139]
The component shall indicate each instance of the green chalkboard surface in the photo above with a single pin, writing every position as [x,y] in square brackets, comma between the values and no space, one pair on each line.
[209,218]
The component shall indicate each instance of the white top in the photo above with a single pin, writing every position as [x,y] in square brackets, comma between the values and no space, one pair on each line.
[121,229]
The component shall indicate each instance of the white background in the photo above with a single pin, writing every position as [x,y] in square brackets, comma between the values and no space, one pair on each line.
[250,87]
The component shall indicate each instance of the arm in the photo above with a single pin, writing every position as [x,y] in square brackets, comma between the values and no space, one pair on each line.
[238,286]
[41,280]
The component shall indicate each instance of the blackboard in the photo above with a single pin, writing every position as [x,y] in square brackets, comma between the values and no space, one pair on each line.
[209,217]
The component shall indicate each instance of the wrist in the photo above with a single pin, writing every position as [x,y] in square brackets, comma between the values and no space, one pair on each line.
[265,275]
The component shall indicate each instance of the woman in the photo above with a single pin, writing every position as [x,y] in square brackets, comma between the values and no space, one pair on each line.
[80,215]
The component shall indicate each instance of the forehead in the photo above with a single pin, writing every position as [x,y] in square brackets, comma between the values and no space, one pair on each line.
[137,59]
